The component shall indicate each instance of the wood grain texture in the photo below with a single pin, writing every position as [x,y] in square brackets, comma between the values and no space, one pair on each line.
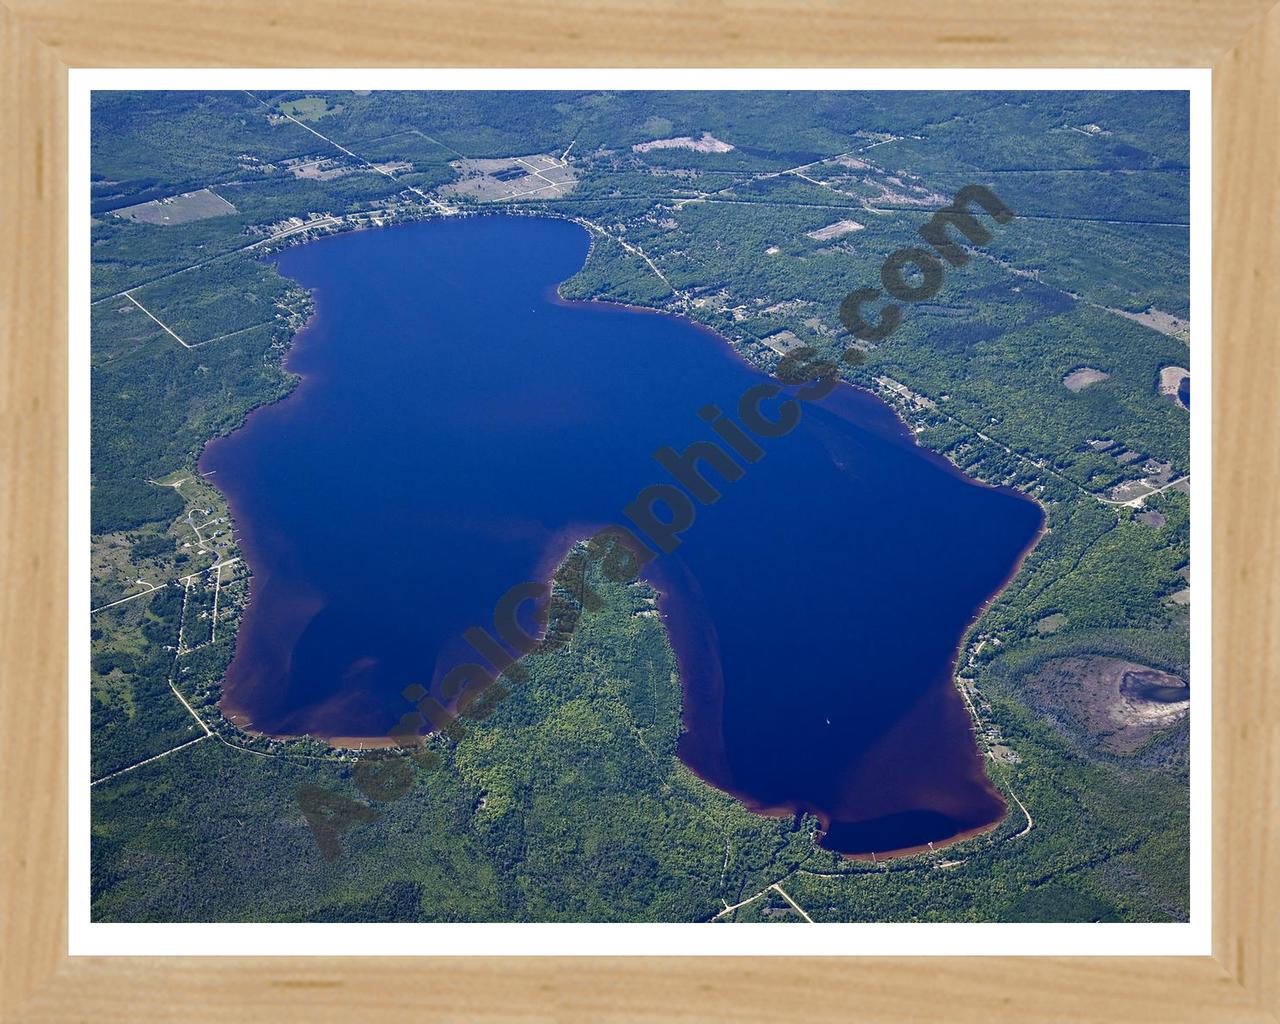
[33,520]
[1246,549]
[39,39]
[654,33]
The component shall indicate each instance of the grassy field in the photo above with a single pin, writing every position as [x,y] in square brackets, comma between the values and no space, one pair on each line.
[178,209]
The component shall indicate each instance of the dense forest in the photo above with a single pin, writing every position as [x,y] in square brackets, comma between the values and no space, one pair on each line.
[567,801]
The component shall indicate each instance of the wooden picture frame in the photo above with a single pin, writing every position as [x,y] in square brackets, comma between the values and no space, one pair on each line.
[1240,39]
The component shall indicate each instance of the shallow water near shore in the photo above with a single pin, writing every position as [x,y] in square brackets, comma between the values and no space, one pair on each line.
[457,426]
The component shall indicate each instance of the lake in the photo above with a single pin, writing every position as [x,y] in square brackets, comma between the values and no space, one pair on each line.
[457,425]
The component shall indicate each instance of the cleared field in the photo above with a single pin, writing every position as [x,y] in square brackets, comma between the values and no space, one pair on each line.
[1078,380]
[321,168]
[181,209]
[783,342]
[310,108]
[840,227]
[1171,378]
[707,144]
[488,181]
[1165,323]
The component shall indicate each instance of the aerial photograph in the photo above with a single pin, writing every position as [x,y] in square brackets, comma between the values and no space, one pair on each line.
[639,506]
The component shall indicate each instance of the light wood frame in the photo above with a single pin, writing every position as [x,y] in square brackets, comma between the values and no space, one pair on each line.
[1240,39]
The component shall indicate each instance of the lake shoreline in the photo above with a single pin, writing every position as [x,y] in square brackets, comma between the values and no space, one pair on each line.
[790,810]
[349,742]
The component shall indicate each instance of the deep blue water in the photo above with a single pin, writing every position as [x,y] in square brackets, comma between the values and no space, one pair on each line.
[457,425]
